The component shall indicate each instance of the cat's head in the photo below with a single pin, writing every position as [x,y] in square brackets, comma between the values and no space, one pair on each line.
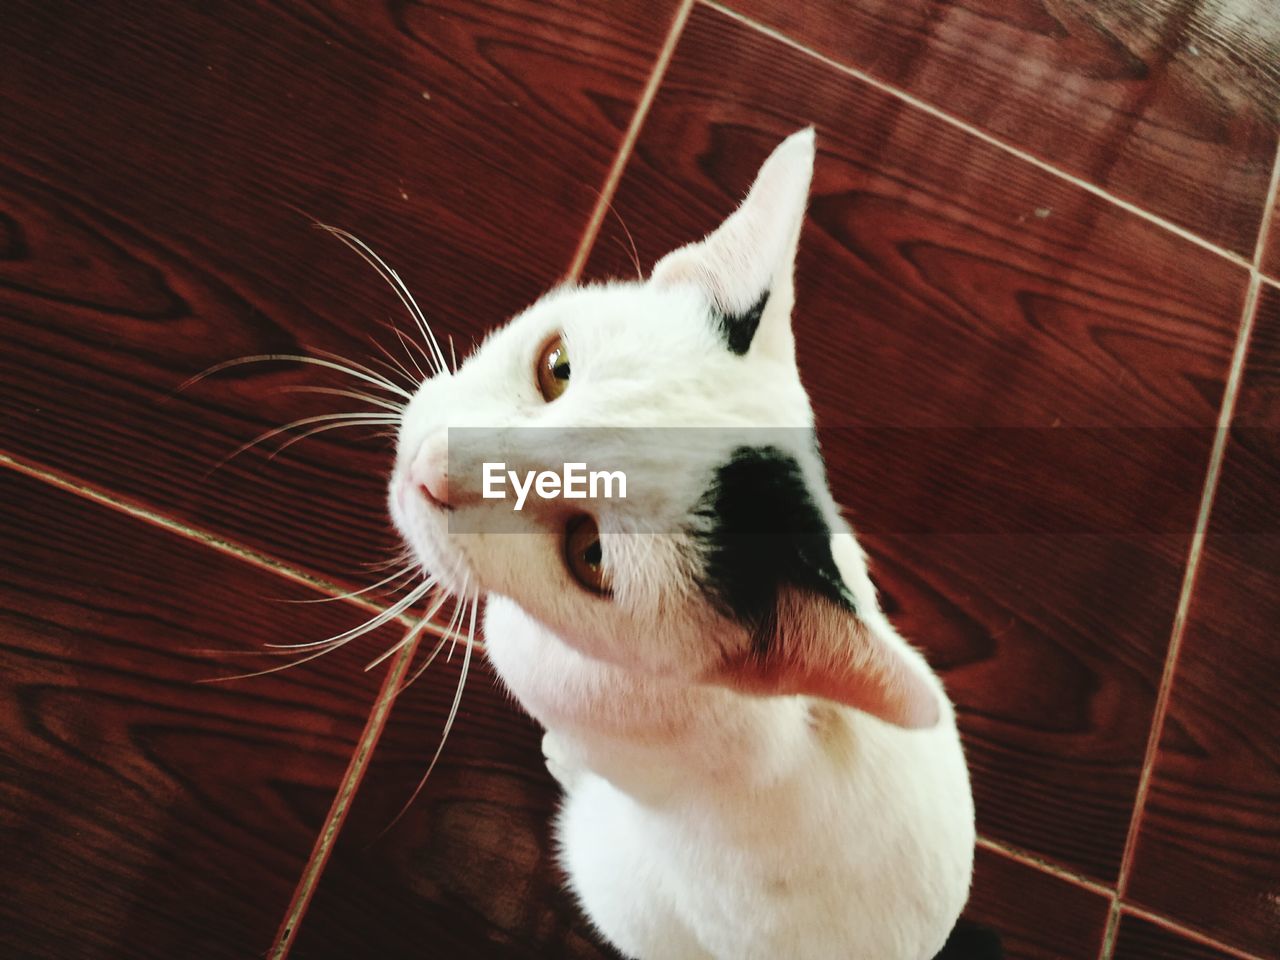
[726,561]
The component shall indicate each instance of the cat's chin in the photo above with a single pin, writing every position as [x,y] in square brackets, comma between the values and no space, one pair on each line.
[425,530]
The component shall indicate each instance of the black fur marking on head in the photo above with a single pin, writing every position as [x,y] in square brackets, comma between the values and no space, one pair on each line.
[739,329]
[765,532]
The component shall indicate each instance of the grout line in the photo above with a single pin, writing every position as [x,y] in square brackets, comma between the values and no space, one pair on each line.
[629,141]
[1040,865]
[1209,492]
[138,512]
[213,541]
[963,125]
[1192,568]
[1028,859]
[1187,932]
[342,799]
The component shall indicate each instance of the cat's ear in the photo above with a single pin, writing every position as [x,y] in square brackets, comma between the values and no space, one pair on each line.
[819,648]
[771,564]
[746,267]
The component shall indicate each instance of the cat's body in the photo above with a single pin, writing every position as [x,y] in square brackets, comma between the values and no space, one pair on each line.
[755,764]
[748,827]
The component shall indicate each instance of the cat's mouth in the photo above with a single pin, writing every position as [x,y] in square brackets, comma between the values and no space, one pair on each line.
[422,522]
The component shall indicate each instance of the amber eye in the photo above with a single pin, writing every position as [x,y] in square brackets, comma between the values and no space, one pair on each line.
[583,556]
[553,369]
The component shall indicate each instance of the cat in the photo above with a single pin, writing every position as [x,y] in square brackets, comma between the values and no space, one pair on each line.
[754,763]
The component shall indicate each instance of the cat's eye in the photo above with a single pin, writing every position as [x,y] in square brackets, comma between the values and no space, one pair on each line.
[583,556]
[553,369]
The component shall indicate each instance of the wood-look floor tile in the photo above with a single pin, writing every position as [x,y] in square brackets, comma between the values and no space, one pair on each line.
[1140,939]
[1208,852]
[145,813]
[470,868]
[1016,383]
[1271,249]
[1036,915]
[159,172]
[1170,105]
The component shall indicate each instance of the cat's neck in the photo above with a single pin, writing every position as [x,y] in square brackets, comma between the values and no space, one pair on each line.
[652,738]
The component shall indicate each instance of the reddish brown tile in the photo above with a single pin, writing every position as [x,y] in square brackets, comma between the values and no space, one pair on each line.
[145,813]
[947,290]
[1140,939]
[159,170]
[470,868]
[1271,251]
[1171,106]
[1209,849]
[1036,915]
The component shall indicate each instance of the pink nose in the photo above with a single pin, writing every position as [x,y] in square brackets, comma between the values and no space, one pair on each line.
[429,471]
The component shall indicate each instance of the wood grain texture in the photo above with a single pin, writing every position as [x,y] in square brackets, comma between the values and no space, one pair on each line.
[1271,251]
[470,868]
[1169,104]
[1209,848]
[1037,916]
[946,290]
[1140,939]
[159,170]
[144,813]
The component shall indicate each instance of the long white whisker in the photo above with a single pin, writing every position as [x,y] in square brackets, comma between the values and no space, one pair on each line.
[362,368]
[262,673]
[369,422]
[412,350]
[398,365]
[455,623]
[398,575]
[453,713]
[343,420]
[390,613]
[405,555]
[427,619]
[296,358]
[398,285]
[453,354]
[393,405]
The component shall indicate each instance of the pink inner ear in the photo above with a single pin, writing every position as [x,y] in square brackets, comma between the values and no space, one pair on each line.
[887,687]
[824,650]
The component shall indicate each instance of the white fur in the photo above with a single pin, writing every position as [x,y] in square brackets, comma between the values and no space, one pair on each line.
[706,813]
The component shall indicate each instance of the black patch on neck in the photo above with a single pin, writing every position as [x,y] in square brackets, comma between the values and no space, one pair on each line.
[765,532]
[739,329]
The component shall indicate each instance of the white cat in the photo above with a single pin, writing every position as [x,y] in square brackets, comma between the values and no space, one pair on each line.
[755,764]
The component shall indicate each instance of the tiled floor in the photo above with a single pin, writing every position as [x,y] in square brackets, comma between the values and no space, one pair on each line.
[1037,235]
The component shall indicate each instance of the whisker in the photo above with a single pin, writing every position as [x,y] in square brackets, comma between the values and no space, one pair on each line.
[404,555]
[392,405]
[394,365]
[372,623]
[343,420]
[369,371]
[392,278]
[398,575]
[453,354]
[455,622]
[427,620]
[329,426]
[412,350]
[448,725]
[262,673]
[294,358]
